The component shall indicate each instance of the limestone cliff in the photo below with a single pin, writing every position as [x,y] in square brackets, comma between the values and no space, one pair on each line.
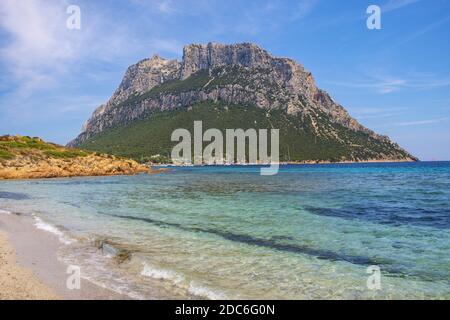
[238,74]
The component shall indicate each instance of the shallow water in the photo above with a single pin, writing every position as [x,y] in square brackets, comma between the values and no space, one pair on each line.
[226,232]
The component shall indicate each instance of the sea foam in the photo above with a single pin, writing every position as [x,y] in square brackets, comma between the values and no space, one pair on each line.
[40,224]
[156,273]
[205,292]
[192,287]
[4,211]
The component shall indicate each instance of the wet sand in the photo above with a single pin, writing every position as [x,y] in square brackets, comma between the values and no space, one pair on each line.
[30,269]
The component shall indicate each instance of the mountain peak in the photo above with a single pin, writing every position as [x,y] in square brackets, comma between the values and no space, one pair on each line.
[211,55]
[241,74]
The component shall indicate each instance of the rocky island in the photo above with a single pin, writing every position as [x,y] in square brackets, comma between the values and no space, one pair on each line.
[30,158]
[230,86]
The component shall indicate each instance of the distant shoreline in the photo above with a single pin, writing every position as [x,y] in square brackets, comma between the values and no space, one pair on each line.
[288,163]
[151,172]
[163,167]
[356,162]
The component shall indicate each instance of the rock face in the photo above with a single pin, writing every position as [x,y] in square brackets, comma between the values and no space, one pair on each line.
[212,55]
[31,158]
[138,79]
[240,74]
[145,75]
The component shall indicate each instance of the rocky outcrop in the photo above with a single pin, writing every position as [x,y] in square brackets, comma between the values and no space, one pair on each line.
[145,75]
[240,74]
[31,158]
[138,79]
[92,165]
[212,55]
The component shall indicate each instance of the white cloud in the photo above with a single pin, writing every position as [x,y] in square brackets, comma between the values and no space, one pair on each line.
[256,17]
[166,45]
[386,84]
[166,7]
[392,5]
[414,123]
[425,30]
[40,50]
[45,66]
[37,45]
[304,8]
[422,122]
[380,85]
[375,113]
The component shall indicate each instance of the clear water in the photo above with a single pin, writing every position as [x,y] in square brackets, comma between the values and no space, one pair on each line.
[226,232]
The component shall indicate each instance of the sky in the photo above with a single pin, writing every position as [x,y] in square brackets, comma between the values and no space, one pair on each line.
[395,80]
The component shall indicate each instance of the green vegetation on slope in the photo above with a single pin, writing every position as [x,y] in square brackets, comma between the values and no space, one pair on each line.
[10,146]
[299,140]
[33,158]
[5,155]
[195,81]
[205,81]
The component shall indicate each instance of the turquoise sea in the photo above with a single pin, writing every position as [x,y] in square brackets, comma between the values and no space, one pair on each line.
[309,232]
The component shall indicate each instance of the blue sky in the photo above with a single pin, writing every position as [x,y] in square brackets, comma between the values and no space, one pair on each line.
[395,80]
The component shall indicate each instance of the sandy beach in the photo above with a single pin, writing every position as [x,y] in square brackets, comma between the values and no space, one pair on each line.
[30,269]
[16,282]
